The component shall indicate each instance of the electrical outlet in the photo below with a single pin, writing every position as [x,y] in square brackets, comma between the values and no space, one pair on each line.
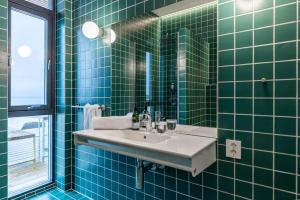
[233,149]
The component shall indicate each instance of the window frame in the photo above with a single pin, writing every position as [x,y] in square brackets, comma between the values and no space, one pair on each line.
[48,108]
[51,81]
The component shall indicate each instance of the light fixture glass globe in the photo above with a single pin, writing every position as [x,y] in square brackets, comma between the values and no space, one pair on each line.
[24,51]
[90,30]
[113,36]
[110,36]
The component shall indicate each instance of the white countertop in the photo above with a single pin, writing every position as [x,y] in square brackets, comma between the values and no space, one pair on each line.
[186,141]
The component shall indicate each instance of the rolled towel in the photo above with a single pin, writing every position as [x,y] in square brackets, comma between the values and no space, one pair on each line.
[89,112]
[112,123]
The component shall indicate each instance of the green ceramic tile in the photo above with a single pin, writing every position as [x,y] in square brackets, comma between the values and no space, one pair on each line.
[285,144]
[226,58]
[245,137]
[226,26]
[285,182]
[263,159]
[285,163]
[244,22]
[226,74]
[243,122]
[226,42]
[263,106]
[226,105]
[263,71]
[244,56]
[263,124]
[281,2]
[285,70]
[226,184]
[244,89]
[279,194]
[263,53]
[263,36]
[285,126]
[226,121]
[263,177]
[263,141]
[285,32]
[285,51]
[286,14]
[263,18]
[263,5]
[226,89]
[243,172]
[243,189]
[285,107]
[244,106]
[262,193]
[243,39]
[244,72]
[226,10]
[285,88]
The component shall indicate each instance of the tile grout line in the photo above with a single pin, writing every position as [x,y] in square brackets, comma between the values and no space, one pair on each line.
[273,100]
[297,98]
[253,100]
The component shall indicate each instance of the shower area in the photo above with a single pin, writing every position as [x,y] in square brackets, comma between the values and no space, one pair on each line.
[184,77]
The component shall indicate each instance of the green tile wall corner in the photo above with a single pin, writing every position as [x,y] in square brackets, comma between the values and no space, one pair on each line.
[3,98]
[262,115]
[63,132]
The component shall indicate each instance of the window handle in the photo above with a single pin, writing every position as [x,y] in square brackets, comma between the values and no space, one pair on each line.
[49,64]
[9,61]
[33,107]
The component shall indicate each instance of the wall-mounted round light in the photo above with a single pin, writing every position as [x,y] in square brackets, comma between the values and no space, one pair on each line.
[91,30]
[24,51]
[247,5]
[110,36]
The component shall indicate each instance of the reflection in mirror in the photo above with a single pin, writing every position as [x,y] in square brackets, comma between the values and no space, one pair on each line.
[148,77]
[168,62]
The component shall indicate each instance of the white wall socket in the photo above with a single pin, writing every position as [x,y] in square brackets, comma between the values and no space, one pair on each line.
[233,149]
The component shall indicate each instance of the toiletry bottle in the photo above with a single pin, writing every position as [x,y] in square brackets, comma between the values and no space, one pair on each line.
[135,119]
[145,113]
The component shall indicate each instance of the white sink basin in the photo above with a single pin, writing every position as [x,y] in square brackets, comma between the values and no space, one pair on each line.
[137,136]
[190,148]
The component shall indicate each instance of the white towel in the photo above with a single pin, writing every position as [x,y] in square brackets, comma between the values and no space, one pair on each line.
[89,112]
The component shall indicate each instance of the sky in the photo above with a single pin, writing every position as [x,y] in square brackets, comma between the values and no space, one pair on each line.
[27,75]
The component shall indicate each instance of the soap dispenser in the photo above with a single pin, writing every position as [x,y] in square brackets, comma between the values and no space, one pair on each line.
[135,119]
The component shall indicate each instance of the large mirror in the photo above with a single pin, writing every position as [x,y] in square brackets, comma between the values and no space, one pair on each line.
[169,63]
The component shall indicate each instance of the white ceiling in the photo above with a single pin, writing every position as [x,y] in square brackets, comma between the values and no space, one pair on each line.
[179,6]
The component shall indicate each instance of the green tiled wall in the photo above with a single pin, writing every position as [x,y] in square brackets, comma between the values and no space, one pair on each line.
[3,98]
[63,132]
[193,72]
[105,175]
[259,40]
[134,38]
[168,76]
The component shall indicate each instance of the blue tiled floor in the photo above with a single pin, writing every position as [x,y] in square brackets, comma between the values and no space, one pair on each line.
[55,194]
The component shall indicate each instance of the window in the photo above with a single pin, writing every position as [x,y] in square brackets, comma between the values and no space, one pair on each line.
[28,59]
[148,76]
[31,97]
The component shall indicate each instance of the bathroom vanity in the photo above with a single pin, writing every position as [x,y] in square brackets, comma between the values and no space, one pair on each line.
[189,148]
